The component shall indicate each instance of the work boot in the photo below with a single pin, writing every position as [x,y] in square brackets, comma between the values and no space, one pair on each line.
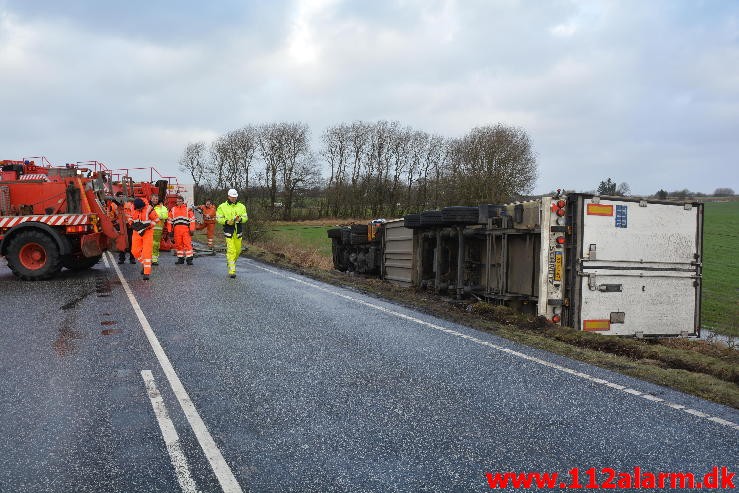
[121,258]
[154,262]
[180,261]
[131,260]
[189,260]
[232,276]
[145,277]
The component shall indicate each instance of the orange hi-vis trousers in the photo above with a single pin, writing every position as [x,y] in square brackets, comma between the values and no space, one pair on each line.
[182,241]
[141,247]
[210,226]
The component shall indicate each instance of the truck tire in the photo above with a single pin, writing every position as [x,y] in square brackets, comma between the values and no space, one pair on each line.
[460,215]
[358,239]
[334,233]
[33,256]
[76,263]
[431,218]
[412,221]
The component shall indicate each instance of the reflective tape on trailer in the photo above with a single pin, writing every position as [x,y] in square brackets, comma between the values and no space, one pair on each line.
[51,220]
[600,210]
[590,325]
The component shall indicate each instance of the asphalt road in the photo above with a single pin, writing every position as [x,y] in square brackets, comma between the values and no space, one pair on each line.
[303,386]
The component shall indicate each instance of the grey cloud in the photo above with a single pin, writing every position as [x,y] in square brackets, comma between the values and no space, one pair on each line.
[644,92]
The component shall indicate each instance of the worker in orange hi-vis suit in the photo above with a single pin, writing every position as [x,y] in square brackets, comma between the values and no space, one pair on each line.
[128,208]
[181,223]
[142,219]
[209,221]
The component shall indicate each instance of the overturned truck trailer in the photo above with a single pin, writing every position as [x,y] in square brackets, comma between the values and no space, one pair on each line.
[612,265]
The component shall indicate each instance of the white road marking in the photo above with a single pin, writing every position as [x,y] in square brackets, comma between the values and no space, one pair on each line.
[217,462]
[171,438]
[105,261]
[512,352]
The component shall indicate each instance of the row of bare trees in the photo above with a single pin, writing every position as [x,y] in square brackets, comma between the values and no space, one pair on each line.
[383,168]
[374,168]
[274,161]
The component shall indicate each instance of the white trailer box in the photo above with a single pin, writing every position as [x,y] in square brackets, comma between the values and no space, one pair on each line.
[621,266]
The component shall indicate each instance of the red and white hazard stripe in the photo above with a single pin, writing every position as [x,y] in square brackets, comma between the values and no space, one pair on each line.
[51,220]
[35,176]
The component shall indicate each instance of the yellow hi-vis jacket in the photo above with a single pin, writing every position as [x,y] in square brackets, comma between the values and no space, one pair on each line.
[163,214]
[228,212]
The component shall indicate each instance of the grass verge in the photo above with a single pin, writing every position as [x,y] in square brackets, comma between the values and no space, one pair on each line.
[720,310]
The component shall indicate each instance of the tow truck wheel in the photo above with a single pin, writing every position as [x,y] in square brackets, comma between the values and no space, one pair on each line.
[33,255]
[76,263]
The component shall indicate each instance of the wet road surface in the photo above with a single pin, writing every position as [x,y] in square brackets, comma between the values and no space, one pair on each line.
[303,386]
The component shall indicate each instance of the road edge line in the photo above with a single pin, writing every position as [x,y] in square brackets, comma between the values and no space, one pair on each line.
[513,352]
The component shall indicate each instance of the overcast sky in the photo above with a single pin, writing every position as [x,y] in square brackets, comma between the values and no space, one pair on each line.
[645,92]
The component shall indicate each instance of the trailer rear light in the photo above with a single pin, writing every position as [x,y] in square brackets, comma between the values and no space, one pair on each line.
[555,319]
[560,212]
[77,229]
[561,240]
[561,204]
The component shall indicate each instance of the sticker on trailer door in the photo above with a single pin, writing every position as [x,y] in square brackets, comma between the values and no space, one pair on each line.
[621,216]
[600,209]
[557,266]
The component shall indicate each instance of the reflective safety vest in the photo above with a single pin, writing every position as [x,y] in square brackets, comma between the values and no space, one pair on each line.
[163,214]
[229,212]
[209,213]
[181,215]
[142,219]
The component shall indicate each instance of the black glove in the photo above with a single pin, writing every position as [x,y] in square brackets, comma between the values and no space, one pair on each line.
[139,227]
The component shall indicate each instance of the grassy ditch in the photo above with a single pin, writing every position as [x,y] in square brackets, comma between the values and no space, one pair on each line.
[707,369]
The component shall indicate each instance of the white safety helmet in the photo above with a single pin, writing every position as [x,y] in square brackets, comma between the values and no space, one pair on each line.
[233,193]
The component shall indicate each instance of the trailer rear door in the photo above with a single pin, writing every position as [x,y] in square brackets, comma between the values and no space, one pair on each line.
[640,267]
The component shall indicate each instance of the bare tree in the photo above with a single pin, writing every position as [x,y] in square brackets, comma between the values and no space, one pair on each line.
[435,163]
[220,157]
[297,161]
[359,148]
[269,141]
[242,146]
[336,152]
[493,164]
[623,189]
[193,161]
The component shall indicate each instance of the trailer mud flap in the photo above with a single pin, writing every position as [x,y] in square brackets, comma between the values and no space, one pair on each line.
[92,244]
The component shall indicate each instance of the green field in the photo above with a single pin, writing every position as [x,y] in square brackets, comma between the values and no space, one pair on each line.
[720,307]
[308,237]
[720,311]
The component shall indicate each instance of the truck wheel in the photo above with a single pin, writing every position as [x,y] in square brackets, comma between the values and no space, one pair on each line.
[76,263]
[33,255]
